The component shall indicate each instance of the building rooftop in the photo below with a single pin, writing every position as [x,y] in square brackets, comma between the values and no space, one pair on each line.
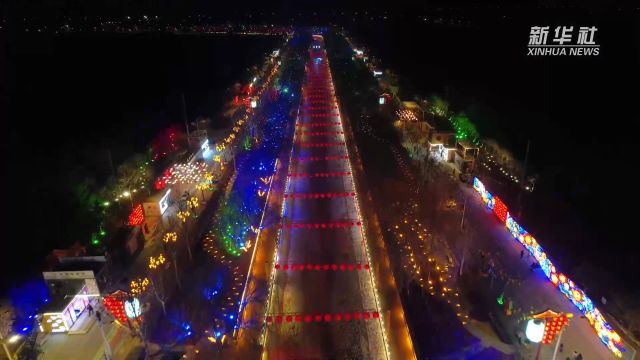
[61,293]
[467,145]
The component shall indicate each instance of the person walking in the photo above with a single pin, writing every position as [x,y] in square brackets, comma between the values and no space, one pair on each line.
[90,309]
[521,254]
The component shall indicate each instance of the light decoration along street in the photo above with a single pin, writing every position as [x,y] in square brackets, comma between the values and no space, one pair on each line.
[183,215]
[568,288]
[185,173]
[137,216]
[363,233]
[193,202]
[407,115]
[437,277]
[139,286]
[170,237]
[155,262]
[283,209]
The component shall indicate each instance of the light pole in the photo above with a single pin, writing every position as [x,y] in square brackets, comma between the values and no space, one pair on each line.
[172,237]
[202,186]
[138,287]
[155,263]
[466,241]
[184,216]
[128,194]
[555,350]
[5,319]
[107,347]
[6,349]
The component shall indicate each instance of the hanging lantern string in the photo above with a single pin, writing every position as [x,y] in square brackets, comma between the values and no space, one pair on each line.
[324,267]
[319,195]
[327,317]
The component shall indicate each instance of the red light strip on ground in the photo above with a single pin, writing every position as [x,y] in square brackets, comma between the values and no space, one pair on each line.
[323,174]
[316,124]
[320,133]
[348,316]
[322,226]
[320,115]
[320,145]
[318,195]
[321,158]
[307,107]
[322,267]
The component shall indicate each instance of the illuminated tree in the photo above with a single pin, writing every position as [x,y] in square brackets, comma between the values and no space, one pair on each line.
[465,130]
[134,174]
[171,238]
[233,227]
[184,216]
[167,142]
[438,106]
[157,287]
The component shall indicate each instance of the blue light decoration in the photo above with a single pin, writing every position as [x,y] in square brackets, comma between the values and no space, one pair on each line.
[609,337]
[26,301]
[243,208]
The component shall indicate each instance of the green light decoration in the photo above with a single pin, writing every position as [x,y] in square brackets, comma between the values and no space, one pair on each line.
[95,241]
[438,106]
[246,144]
[465,130]
[500,299]
[233,227]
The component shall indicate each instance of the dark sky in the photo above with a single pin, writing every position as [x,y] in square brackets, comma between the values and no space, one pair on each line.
[283,10]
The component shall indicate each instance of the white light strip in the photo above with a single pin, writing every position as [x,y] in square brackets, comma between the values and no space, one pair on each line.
[263,335]
[255,247]
[362,232]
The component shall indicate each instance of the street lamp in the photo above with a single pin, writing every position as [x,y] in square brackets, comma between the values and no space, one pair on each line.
[172,237]
[128,194]
[184,216]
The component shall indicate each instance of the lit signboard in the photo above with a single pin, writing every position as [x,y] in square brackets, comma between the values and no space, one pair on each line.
[164,202]
[381,100]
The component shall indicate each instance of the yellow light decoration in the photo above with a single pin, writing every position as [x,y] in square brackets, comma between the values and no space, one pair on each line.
[183,215]
[170,237]
[139,286]
[155,263]
[193,202]
[186,173]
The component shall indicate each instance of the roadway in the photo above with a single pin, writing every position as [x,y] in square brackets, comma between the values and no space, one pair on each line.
[323,311]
